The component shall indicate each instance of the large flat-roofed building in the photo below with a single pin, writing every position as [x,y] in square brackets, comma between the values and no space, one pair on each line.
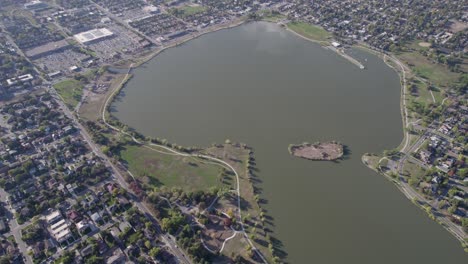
[88,37]
[21,79]
[47,49]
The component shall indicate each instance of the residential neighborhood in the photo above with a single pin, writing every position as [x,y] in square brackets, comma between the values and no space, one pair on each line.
[60,198]
[66,194]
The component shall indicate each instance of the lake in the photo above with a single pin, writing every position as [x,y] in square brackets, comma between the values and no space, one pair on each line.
[262,85]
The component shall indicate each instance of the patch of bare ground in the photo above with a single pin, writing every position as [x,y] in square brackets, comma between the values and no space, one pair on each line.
[217,230]
[458,26]
[424,44]
[257,224]
[91,107]
[318,151]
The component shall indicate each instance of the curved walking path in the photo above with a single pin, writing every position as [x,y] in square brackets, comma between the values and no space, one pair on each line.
[222,246]
[404,111]
[403,186]
[177,153]
[227,239]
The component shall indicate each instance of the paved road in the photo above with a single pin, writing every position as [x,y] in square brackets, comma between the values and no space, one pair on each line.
[15,229]
[456,230]
[124,24]
[405,187]
[120,179]
[168,240]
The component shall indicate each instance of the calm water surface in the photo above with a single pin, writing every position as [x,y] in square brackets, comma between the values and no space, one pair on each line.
[266,87]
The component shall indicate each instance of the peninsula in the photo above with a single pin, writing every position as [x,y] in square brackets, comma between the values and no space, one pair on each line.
[318,151]
[80,185]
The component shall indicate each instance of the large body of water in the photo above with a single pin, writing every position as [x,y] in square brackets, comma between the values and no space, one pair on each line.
[264,86]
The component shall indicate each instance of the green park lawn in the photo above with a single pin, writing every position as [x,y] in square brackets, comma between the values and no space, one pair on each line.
[413,170]
[309,31]
[188,10]
[159,169]
[436,73]
[271,17]
[71,91]
[424,95]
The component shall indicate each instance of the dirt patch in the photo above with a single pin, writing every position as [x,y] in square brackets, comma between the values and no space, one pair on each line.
[96,97]
[241,157]
[317,151]
[424,44]
[216,232]
[458,26]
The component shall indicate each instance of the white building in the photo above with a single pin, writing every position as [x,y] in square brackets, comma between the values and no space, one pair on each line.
[53,217]
[22,78]
[58,226]
[90,36]
[336,44]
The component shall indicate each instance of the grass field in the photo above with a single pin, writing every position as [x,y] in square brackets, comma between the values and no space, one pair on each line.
[71,91]
[28,15]
[270,17]
[192,174]
[160,169]
[425,96]
[418,45]
[436,73]
[249,204]
[309,31]
[188,10]
[415,171]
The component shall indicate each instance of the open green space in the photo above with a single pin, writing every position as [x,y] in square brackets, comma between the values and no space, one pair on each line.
[71,91]
[435,73]
[419,45]
[270,16]
[415,171]
[309,31]
[26,14]
[187,10]
[159,169]
[423,95]
[252,213]
[91,108]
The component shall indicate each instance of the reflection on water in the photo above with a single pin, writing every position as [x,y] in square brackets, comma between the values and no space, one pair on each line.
[266,87]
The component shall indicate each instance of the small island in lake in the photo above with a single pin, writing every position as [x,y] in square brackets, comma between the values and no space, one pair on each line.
[318,151]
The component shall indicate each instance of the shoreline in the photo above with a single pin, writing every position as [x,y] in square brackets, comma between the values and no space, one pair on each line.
[418,201]
[170,148]
[400,68]
[402,77]
[145,59]
[142,60]
[285,26]
[325,44]
[401,73]
[319,151]
[343,54]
